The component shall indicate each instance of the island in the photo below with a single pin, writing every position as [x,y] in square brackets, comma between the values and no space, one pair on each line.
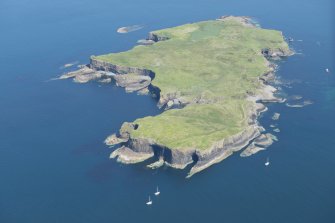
[211,80]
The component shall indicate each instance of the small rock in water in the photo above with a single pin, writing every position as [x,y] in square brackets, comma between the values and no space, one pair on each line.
[128,29]
[300,104]
[276,130]
[273,137]
[105,80]
[157,164]
[275,116]
[295,97]
[69,64]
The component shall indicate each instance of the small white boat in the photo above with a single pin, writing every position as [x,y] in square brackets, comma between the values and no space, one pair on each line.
[157,192]
[327,70]
[267,163]
[149,202]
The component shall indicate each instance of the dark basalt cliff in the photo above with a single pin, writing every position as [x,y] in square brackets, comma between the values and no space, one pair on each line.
[154,37]
[105,66]
[179,159]
[225,148]
[143,149]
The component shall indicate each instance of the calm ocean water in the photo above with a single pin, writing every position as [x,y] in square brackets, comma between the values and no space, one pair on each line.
[55,168]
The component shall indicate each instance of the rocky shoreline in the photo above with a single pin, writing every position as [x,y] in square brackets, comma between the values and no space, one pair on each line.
[135,150]
[251,139]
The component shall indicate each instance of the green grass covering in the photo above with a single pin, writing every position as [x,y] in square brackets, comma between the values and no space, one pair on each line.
[195,126]
[218,60]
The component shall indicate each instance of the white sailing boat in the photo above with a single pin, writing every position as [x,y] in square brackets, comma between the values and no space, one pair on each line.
[157,192]
[267,163]
[149,202]
[327,70]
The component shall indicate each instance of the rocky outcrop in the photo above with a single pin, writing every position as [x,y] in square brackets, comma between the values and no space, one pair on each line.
[128,156]
[178,159]
[122,136]
[268,77]
[130,78]
[133,79]
[113,140]
[247,21]
[132,82]
[157,164]
[141,145]
[264,140]
[145,42]
[223,149]
[276,130]
[175,158]
[260,143]
[275,116]
[117,69]
[127,29]
[266,94]
[155,37]
[251,150]
[131,150]
[276,54]
[172,100]
[85,74]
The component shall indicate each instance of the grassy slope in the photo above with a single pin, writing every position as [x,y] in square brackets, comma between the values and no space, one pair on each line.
[218,60]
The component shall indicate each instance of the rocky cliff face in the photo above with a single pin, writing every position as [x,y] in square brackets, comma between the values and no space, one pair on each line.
[276,54]
[105,66]
[133,79]
[175,158]
[224,148]
[141,148]
[155,37]
[143,80]
[138,150]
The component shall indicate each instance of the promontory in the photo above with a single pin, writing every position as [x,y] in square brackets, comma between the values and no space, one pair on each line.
[211,80]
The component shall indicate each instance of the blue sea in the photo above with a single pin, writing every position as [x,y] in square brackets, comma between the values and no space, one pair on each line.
[55,168]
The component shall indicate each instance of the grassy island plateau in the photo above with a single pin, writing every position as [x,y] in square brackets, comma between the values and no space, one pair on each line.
[211,78]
